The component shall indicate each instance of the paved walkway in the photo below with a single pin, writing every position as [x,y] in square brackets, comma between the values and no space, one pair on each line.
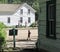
[23,43]
[21,38]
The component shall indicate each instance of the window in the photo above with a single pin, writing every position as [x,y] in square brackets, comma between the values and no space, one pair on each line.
[21,12]
[8,19]
[21,19]
[29,19]
[51,20]
[28,11]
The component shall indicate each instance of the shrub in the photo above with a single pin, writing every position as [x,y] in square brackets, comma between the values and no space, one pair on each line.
[2,25]
[33,25]
[2,35]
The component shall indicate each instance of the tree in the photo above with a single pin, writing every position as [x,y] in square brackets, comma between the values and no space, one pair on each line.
[10,1]
[36,7]
[30,2]
[16,1]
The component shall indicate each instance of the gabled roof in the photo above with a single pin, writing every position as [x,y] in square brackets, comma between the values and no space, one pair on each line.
[25,4]
[8,9]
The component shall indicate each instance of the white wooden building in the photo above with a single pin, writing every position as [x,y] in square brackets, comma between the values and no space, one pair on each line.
[17,14]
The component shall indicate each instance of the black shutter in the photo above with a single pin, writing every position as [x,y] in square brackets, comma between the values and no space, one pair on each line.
[51,20]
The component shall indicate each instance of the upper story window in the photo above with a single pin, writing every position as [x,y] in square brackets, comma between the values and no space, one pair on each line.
[21,19]
[28,11]
[8,20]
[29,19]
[21,11]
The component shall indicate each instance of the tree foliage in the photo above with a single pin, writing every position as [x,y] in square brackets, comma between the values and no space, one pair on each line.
[33,3]
[2,25]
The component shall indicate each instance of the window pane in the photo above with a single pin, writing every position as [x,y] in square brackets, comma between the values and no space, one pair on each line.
[21,19]
[51,11]
[51,27]
[8,19]
[28,11]
[29,20]
[21,11]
